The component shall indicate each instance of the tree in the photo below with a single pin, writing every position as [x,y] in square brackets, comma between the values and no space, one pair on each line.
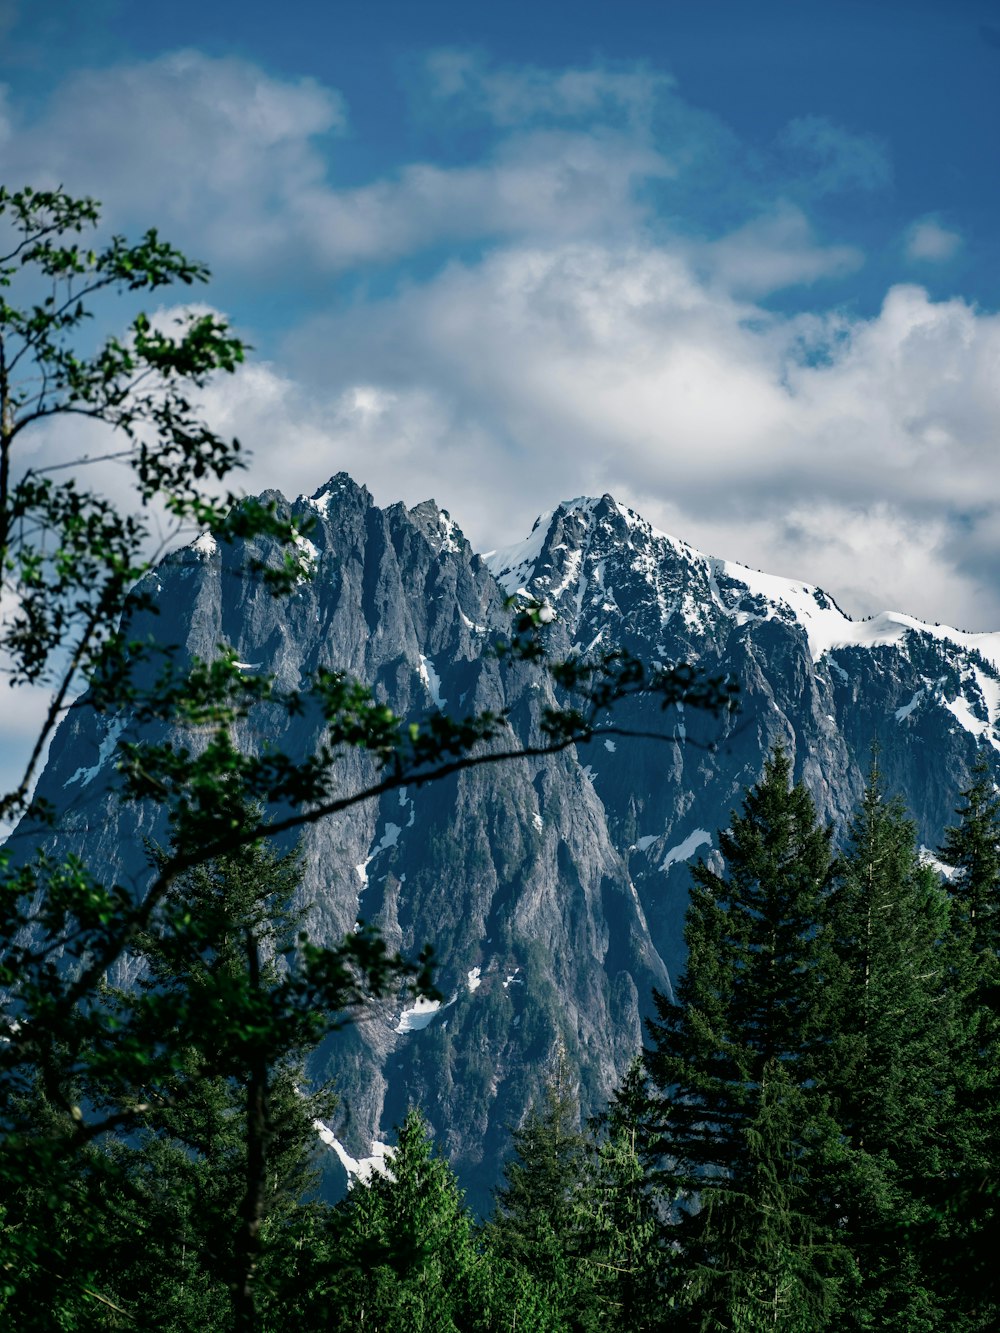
[744,1135]
[972,848]
[968,1202]
[406,1262]
[206,1050]
[624,1249]
[887,1068]
[69,557]
[541,1210]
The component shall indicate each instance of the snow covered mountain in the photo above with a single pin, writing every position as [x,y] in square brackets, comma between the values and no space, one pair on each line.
[554,890]
[526,566]
[567,556]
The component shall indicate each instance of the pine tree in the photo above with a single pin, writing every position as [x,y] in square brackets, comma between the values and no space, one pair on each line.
[972,847]
[623,1242]
[887,1066]
[970,1202]
[540,1219]
[746,1140]
[193,1218]
[232,1130]
[405,1258]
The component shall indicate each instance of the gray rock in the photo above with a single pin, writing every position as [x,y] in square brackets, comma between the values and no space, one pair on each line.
[553,889]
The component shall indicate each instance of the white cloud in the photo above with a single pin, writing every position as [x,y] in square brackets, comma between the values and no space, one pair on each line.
[543,184]
[851,452]
[241,167]
[230,161]
[928,241]
[213,147]
[587,350]
[774,251]
[23,715]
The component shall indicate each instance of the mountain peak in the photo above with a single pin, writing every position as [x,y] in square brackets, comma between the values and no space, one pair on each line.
[554,889]
[438,527]
[341,487]
[577,554]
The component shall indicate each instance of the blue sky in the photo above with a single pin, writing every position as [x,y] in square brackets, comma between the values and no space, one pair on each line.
[737,263]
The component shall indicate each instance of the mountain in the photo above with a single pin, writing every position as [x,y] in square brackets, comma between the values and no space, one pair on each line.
[553,889]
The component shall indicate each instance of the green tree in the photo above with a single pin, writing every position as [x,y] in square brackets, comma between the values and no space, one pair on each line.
[624,1246]
[888,1069]
[69,556]
[969,1203]
[745,1138]
[206,1049]
[406,1261]
[972,848]
[539,1223]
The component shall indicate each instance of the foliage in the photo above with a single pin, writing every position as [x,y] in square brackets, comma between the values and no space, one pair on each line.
[744,1133]
[405,1254]
[625,1249]
[967,1201]
[539,1223]
[887,1067]
[205,1050]
[68,555]
[89,1077]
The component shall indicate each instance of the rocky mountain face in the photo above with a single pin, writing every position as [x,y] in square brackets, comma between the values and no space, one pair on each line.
[553,889]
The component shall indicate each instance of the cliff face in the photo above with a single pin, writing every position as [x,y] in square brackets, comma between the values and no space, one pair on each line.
[553,889]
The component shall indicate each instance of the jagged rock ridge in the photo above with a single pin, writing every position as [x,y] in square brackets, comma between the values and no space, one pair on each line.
[554,889]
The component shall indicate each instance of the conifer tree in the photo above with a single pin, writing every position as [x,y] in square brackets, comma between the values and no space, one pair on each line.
[623,1242]
[745,1137]
[540,1219]
[194,1218]
[404,1255]
[972,847]
[887,1068]
[231,1136]
[970,1202]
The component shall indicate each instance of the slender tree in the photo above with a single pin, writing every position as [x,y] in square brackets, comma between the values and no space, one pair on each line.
[970,1201]
[887,1067]
[624,1246]
[405,1257]
[972,848]
[745,1136]
[204,1051]
[541,1221]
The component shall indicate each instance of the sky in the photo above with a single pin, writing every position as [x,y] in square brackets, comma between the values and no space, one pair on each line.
[736,262]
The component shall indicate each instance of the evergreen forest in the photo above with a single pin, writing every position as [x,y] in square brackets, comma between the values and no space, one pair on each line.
[808,1141]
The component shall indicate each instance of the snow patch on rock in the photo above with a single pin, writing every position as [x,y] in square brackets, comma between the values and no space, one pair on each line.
[357,1169]
[104,753]
[686,849]
[430,677]
[205,545]
[421,1013]
[646,841]
[903,713]
[389,839]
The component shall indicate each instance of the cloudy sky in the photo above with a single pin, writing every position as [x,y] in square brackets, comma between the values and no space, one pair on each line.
[737,263]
